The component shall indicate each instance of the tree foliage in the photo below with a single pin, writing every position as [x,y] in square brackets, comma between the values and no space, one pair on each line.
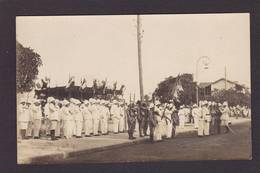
[232,96]
[27,63]
[187,96]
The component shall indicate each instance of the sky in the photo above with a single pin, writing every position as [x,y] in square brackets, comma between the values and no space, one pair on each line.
[106,47]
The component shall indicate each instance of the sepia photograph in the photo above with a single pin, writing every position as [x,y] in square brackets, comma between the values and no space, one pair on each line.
[133,88]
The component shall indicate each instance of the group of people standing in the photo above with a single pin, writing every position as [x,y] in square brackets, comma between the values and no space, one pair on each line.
[94,117]
[208,118]
[70,118]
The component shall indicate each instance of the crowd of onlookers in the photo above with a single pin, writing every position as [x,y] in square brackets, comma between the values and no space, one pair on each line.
[56,119]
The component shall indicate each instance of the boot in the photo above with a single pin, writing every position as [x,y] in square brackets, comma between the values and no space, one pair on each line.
[52,135]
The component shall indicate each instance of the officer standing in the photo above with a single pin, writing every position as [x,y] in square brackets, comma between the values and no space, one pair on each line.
[158,118]
[37,118]
[131,120]
[142,118]
[58,127]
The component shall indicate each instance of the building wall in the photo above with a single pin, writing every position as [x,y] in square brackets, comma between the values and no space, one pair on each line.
[221,85]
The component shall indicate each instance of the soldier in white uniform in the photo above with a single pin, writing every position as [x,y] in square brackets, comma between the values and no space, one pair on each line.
[225,116]
[181,115]
[207,119]
[94,111]
[203,112]
[168,120]
[115,115]
[87,118]
[29,131]
[104,115]
[58,127]
[37,118]
[23,119]
[158,119]
[53,116]
[122,118]
[78,119]
[195,115]
[67,119]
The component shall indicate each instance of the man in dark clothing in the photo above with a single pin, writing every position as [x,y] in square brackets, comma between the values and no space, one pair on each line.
[142,118]
[152,121]
[131,120]
[175,121]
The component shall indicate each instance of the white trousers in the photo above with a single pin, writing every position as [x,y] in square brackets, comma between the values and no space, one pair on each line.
[206,128]
[196,122]
[157,132]
[68,128]
[57,130]
[168,130]
[182,121]
[78,128]
[115,125]
[104,125]
[88,126]
[201,127]
[95,126]
[121,124]
[36,127]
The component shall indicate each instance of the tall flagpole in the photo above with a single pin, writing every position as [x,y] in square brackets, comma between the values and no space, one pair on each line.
[140,59]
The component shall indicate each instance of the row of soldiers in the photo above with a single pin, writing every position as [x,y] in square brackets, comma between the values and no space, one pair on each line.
[163,118]
[70,118]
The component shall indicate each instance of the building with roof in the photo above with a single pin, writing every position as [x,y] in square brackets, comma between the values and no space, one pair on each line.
[206,88]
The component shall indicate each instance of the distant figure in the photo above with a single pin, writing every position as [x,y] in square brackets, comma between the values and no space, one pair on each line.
[131,120]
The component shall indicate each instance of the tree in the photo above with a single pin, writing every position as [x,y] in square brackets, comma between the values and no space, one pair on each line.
[232,96]
[165,89]
[27,64]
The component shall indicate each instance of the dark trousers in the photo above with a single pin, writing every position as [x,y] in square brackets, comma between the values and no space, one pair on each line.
[151,131]
[131,128]
[173,131]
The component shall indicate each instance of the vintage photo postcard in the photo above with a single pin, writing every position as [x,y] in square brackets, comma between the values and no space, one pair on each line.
[133,88]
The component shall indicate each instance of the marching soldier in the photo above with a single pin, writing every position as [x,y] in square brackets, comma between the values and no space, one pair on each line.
[37,118]
[131,120]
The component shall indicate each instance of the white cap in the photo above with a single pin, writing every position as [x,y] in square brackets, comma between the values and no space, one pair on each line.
[225,103]
[86,102]
[195,105]
[50,99]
